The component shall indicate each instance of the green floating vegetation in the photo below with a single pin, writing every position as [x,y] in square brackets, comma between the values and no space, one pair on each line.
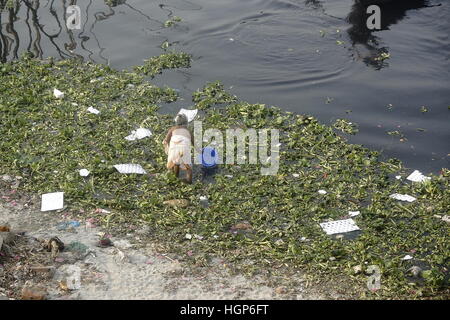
[170,60]
[270,220]
[346,126]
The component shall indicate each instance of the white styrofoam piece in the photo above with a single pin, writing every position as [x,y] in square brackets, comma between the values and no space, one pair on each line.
[52,201]
[84,172]
[339,226]
[130,168]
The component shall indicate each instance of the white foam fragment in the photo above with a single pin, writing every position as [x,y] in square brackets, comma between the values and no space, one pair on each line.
[130,168]
[417,176]
[339,226]
[58,94]
[353,213]
[322,192]
[93,110]
[398,177]
[138,134]
[190,114]
[84,172]
[295,175]
[407,257]
[52,201]
[402,197]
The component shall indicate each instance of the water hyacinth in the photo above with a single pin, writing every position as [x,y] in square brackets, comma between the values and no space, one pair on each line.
[41,133]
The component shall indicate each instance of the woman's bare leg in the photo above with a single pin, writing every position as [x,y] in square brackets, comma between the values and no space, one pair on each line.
[176,170]
[189,175]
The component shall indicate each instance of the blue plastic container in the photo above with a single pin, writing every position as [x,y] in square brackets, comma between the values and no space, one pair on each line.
[209,158]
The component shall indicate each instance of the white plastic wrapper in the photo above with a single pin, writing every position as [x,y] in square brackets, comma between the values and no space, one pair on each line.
[354,213]
[58,94]
[52,201]
[417,176]
[138,134]
[402,197]
[93,110]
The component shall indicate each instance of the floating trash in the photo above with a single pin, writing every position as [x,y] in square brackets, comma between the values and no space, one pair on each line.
[402,197]
[66,225]
[354,213]
[58,94]
[339,226]
[93,110]
[190,114]
[84,172]
[417,176]
[138,134]
[52,201]
[130,168]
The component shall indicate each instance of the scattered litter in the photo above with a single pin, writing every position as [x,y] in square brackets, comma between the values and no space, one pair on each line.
[138,134]
[402,197]
[100,210]
[415,271]
[105,242]
[66,225]
[181,203]
[123,244]
[130,168]
[339,226]
[84,172]
[54,245]
[121,255]
[5,227]
[77,247]
[353,213]
[398,177]
[196,236]
[295,175]
[188,236]
[417,176]
[52,201]
[190,114]
[357,269]
[407,257]
[229,176]
[446,218]
[73,280]
[93,110]
[58,94]
[322,192]
[33,293]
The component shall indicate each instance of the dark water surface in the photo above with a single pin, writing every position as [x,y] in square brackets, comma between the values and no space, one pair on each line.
[305,56]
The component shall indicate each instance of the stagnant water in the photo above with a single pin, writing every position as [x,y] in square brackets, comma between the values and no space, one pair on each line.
[306,56]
